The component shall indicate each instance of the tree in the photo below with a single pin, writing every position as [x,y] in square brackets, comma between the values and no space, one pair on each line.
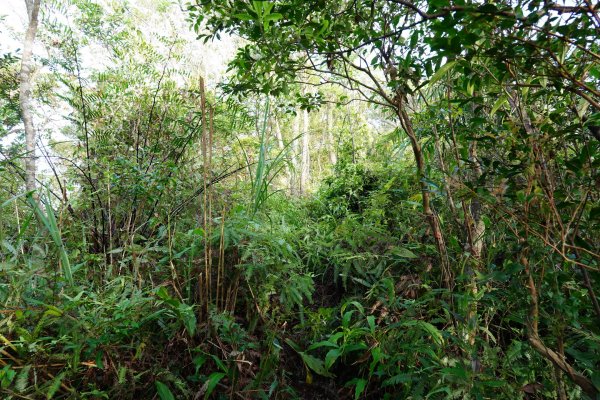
[473,60]
[331,40]
[33,9]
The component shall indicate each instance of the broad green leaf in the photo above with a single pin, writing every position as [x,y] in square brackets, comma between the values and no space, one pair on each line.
[188,317]
[163,391]
[315,365]
[346,318]
[331,356]
[323,343]
[499,103]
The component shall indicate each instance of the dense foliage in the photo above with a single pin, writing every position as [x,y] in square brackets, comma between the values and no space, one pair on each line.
[381,199]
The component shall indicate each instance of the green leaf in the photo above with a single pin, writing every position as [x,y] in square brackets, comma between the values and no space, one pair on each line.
[494,383]
[439,74]
[322,343]
[501,101]
[13,198]
[596,379]
[188,317]
[6,376]
[514,351]
[439,390]
[219,363]
[346,318]
[163,391]
[257,6]
[54,386]
[389,184]
[293,345]
[51,225]
[212,382]
[22,380]
[427,327]
[459,372]
[396,380]
[244,16]
[273,17]
[356,304]
[331,356]
[371,322]
[360,387]
[122,375]
[470,87]
[162,293]
[9,247]
[315,365]
[53,311]
[403,252]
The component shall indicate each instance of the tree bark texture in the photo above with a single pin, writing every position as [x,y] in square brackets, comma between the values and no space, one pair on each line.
[33,8]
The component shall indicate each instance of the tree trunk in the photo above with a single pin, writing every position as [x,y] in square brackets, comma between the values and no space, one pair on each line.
[431,215]
[278,134]
[305,161]
[286,173]
[475,230]
[330,139]
[294,157]
[33,8]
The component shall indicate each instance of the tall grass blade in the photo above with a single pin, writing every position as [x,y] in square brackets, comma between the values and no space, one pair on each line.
[46,216]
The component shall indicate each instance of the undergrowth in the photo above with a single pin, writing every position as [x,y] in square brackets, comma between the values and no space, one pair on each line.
[326,299]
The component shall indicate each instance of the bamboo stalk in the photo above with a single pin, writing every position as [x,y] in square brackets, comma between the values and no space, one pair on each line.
[221,266]
[204,287]
[210,201]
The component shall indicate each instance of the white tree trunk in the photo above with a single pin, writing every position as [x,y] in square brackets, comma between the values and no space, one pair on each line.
[278,134]
[285,175]
[33,8]
[330,139]
[294,156]
[305,163]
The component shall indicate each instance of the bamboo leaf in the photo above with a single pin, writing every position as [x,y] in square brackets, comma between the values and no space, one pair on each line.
[439,74]
[212,382]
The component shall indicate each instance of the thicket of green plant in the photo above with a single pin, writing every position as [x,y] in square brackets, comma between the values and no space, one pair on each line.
[166,253]
[337,296]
